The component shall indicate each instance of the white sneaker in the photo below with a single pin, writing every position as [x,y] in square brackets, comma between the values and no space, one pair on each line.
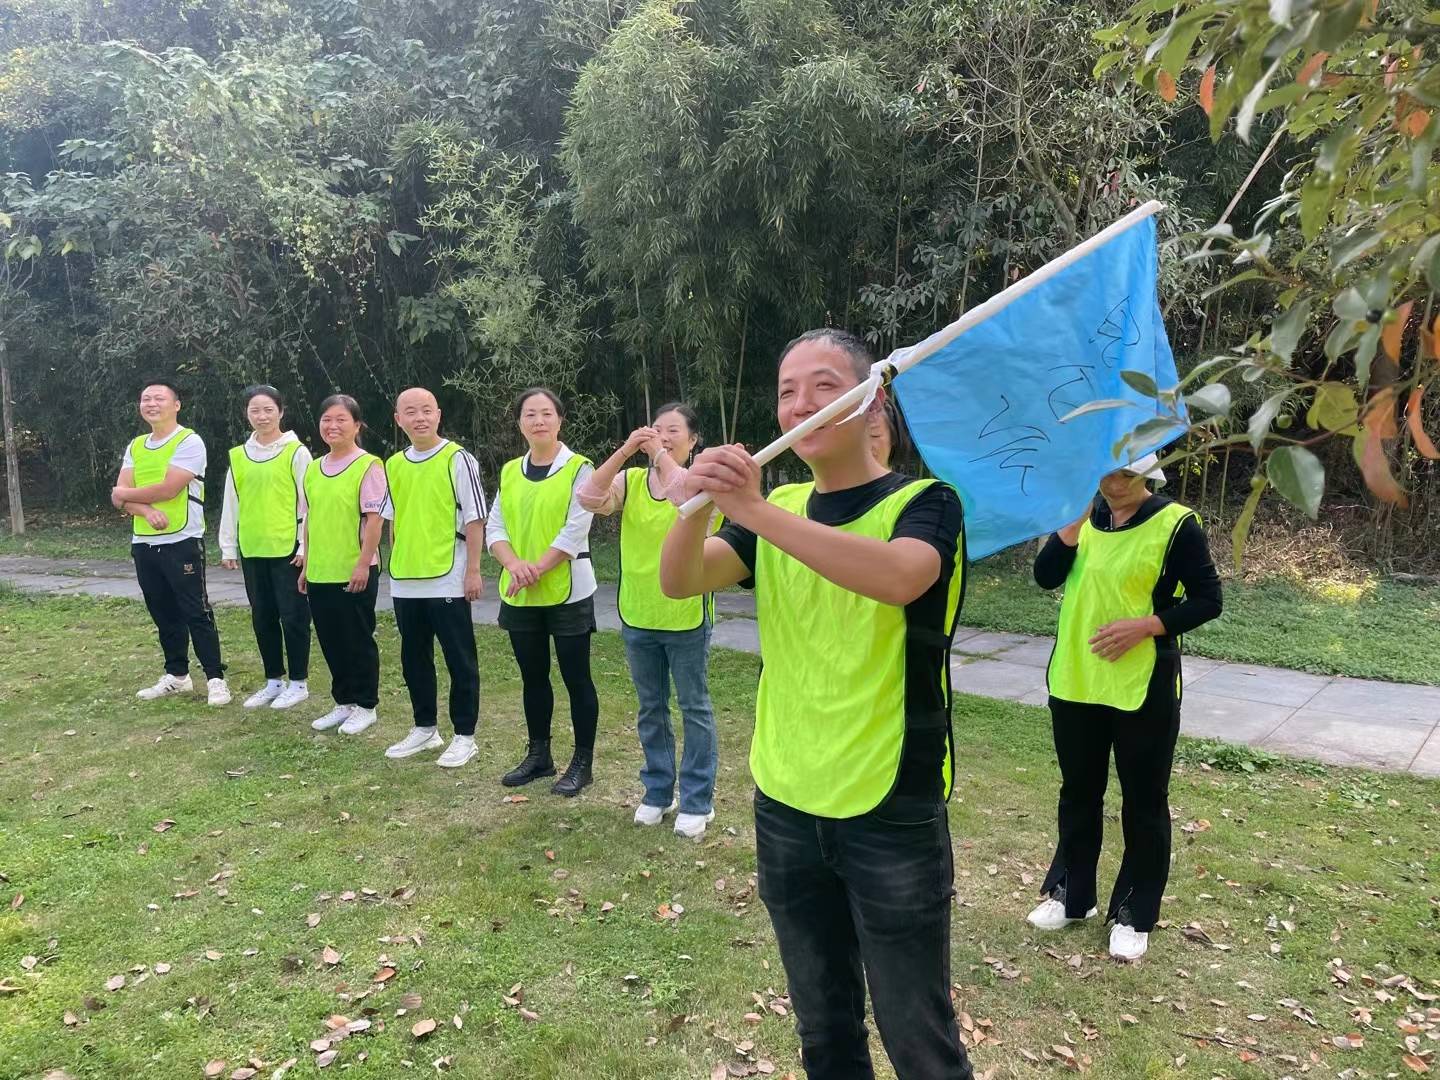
[419,740]
[1050,915]
[265,695]
[358,720]
[293,694]
[692,826]
[217,692]
[168,684]
[645,814]
[334,718]
[1126,943]
[461,749]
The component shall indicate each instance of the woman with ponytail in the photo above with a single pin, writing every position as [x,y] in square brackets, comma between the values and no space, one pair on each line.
[665,639]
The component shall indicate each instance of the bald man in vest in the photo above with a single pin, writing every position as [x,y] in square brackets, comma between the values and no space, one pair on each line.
[162,487]
[857,578]
[436,509]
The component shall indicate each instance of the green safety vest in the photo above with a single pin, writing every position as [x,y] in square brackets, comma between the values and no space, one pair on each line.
[149,468]
[1113,577]
[534,513]
[423,496]
[644,521]
[268,501]
[334,520]
[830,714]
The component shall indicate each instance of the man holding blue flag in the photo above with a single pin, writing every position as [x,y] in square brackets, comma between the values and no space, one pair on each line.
[857,577]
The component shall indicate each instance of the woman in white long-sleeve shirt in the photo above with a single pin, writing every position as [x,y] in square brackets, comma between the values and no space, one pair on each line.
[540,534]
[260,531]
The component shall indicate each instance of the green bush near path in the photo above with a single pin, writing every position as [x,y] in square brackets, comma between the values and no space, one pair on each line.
[636,955]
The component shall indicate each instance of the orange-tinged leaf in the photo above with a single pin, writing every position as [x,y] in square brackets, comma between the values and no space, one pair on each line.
[385,974]
[1415,123]
[1207,89]
[1417,430]
[1165,83]
[1313,65]
[1379,417]
[1375,467]
[1415,1064]
[1393,336]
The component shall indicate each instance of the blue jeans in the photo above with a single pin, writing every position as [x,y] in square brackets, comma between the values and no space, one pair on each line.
[657,656]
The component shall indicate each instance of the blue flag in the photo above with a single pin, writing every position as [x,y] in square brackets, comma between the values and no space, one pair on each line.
[985,410]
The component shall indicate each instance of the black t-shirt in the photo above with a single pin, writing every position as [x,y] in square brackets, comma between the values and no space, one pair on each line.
[936,517]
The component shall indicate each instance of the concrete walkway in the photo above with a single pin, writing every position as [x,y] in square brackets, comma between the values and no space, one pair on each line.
[1332,719]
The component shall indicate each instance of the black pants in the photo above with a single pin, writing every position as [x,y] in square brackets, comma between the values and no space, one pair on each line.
[420,622]
[280,616]
[172,580]
[864,900]
[1144,745]
[532,654]
[345,628]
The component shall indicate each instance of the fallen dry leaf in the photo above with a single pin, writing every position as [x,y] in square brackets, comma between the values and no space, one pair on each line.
[330,956]
[162,969]
[162,826]
[214,1068]
[410,1001]
[325,1059]
[17,901]
[115,982]
[385,974]
[312,920]
[421,1028]
[285,1067]
[71,1020]
[245,1072]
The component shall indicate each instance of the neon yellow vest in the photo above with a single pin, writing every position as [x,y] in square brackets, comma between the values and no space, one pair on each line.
[334,520]
[830,713]
[268,502]
[644,521]
[534,513]
[1113,577]
[149,467]
[423,495]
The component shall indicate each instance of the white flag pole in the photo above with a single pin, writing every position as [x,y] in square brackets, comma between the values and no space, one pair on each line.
[902,360]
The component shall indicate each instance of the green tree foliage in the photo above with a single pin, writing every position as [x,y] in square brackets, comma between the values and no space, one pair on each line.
[1348,248]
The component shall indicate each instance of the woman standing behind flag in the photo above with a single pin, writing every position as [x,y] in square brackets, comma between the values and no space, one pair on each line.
[260,532]
[540,534]
[1137,574]
[345,491]
[664,639]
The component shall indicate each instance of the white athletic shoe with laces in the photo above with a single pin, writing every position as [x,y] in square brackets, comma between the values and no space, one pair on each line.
[1050,915]
[692,826]
[265,695]
[461,749]
[1127,943]
[334,718]
[358,720]
[645,814]
[419,740]
[217,692]
[293,694]
[168,684]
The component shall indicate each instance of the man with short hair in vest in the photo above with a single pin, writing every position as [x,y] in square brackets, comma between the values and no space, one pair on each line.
[436,509]
[162,487]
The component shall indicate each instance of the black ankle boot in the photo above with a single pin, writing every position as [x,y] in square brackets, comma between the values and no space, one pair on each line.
[537,763]
[577,775]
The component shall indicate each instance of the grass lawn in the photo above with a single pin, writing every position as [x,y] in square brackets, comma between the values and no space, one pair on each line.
[1367,628]
[184,885]
[1371,629]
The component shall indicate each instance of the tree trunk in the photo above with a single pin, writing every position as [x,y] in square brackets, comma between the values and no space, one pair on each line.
[739,375]
[12,452]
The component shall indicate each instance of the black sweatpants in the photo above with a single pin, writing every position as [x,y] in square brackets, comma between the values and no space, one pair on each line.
[532,654]
[345,628]
[280,616]
[1144,745]
[172,580]
[420,621]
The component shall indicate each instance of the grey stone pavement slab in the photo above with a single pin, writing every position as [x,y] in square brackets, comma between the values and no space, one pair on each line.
[1336,720]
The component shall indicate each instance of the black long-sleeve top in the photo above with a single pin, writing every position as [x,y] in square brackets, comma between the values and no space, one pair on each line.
[1187,563]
